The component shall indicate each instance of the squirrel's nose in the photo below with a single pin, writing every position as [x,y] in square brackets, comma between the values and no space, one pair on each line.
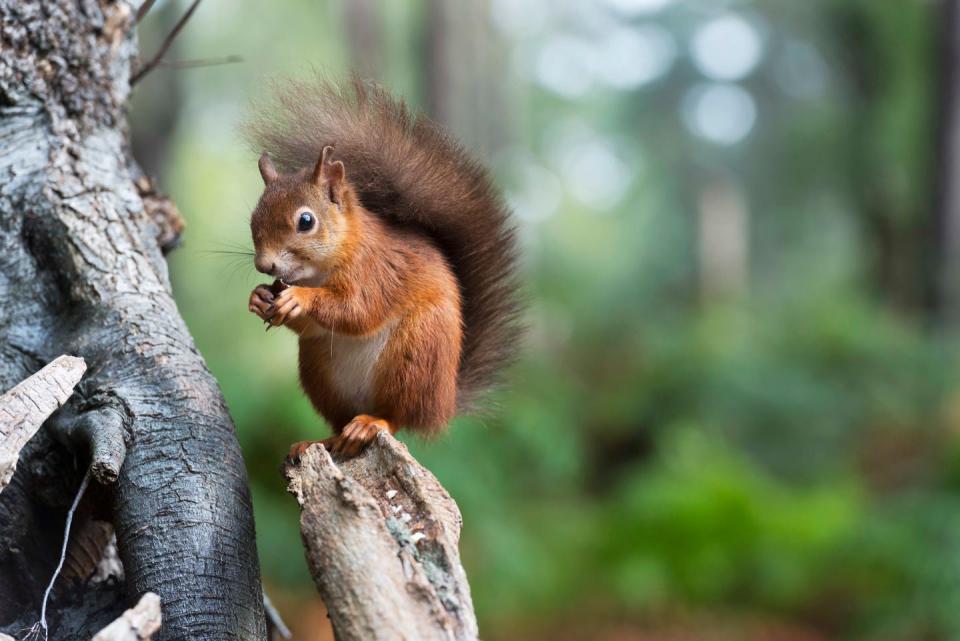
[265,266]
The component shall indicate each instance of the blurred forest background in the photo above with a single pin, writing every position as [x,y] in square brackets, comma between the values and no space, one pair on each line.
[738,412]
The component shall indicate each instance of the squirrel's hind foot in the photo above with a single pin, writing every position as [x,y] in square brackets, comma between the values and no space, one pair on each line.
[354,438]
[298,448]
[357,435]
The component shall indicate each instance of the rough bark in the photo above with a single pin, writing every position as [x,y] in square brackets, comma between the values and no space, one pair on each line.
[24,408]
[82,273]
[381,538]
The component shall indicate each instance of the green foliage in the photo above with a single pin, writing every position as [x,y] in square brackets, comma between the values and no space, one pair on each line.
[706,525]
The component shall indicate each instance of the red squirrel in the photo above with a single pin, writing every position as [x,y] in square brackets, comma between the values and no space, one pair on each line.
[395,260]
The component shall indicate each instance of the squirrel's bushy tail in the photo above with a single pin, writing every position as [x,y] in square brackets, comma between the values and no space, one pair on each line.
[407,169]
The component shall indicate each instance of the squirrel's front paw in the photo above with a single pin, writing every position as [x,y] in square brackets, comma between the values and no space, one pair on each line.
[288,305]
[261,298]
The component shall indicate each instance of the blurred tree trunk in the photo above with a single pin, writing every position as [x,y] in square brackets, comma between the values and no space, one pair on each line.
[436,61]
[945,258]
[463,79]
[82,273]
[886,54]
[364,37]
[724,242]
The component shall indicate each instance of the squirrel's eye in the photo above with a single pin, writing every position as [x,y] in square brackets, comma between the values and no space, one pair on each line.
[305,221]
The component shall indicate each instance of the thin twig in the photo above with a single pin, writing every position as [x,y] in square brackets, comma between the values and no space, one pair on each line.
[201,62]
[145,69]
[274,618]
[63,552]
[144,10]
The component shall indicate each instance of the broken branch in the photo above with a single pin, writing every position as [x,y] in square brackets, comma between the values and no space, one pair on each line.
[139,623]
[24,408]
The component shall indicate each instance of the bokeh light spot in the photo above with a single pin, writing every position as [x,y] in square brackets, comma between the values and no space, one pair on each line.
[638,7]
[720,112]
[726,48]
[564,66]
[632,57]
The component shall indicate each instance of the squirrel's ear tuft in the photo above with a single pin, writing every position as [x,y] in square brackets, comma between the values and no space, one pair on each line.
[267,171]
[329,175]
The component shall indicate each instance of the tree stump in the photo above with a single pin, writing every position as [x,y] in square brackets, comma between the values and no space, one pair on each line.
[381,537]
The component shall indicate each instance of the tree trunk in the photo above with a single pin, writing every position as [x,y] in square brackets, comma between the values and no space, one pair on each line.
[381,539]
[364,38]
[82,273]
[944,264]
[462,80]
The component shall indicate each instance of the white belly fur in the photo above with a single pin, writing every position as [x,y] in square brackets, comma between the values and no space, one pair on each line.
[352,362]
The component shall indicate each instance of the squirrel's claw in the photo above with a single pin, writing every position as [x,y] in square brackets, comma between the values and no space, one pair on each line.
[261,302]
[275,310]
[357,435]
[298,448]
[286,308]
